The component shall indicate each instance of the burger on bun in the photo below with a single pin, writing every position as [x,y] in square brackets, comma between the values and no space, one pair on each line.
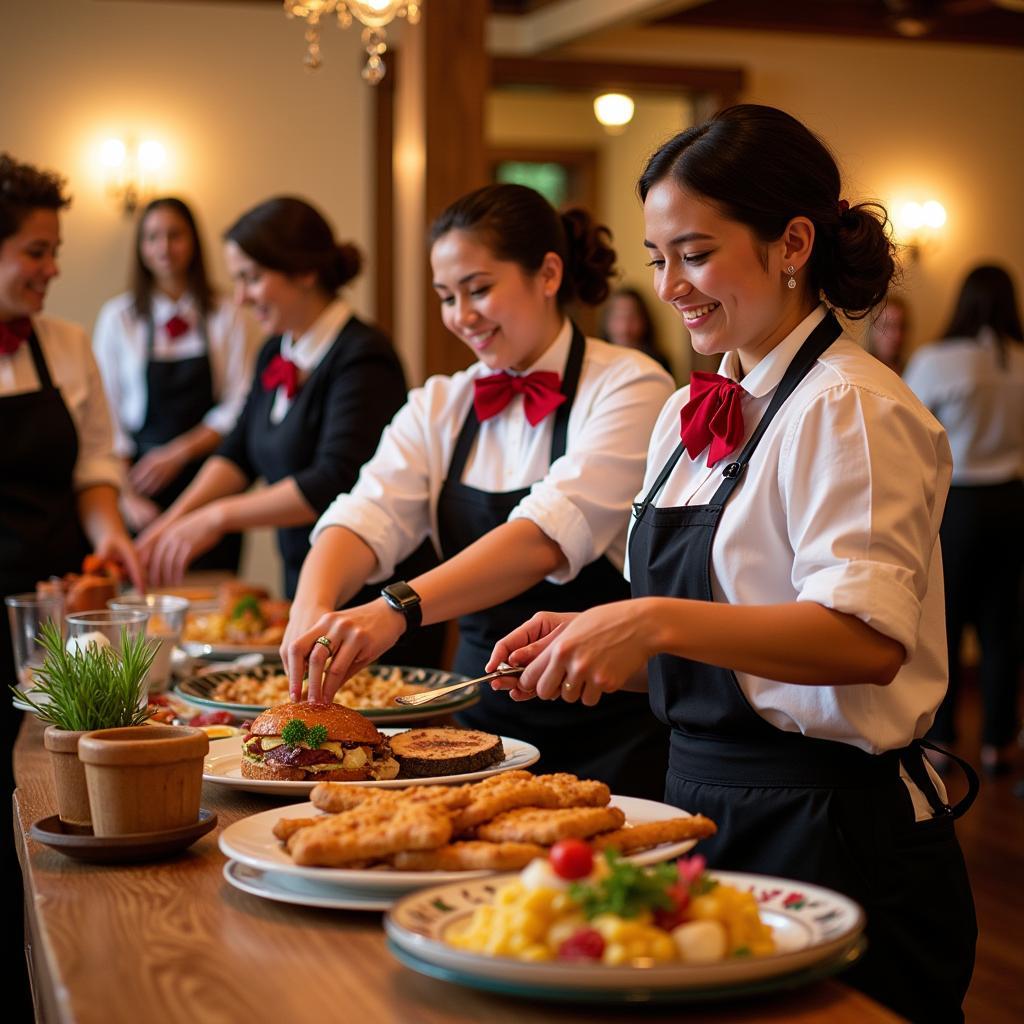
[315,743]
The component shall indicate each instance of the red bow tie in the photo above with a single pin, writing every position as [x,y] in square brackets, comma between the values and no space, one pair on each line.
[540,390]
[281,372]
[176,327]
[13,333]
[713,416]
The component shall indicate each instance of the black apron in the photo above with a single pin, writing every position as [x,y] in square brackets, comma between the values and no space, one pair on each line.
[40,532]
[617,741]
[179,393]
[786,804]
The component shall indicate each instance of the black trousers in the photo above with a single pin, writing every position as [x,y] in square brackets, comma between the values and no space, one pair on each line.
[983,559]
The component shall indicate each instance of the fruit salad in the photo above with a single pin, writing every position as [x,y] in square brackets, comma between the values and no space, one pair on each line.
[575,906]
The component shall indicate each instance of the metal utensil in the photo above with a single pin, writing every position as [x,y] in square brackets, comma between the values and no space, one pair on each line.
[416,699]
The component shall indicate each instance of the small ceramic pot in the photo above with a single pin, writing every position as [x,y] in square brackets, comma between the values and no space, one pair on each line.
[143,778]
[68,778]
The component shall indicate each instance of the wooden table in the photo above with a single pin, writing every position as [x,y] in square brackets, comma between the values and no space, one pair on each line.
[172,941]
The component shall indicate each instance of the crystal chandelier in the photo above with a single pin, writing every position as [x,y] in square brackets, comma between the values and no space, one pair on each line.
[373,15]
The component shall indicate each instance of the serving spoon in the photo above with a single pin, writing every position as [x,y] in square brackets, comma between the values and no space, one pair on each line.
[416,699]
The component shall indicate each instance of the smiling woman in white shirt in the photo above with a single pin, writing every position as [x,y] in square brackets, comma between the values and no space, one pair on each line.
[176,361]
[520,470]
[784,558]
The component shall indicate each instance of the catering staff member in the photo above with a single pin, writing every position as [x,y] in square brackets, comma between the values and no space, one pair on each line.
[59,476]
[784,558]
[520,470]
[176,362]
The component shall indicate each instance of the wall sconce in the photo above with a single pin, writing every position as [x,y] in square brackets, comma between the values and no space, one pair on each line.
[614,110]
[374,15]
[918,225]
[132,170]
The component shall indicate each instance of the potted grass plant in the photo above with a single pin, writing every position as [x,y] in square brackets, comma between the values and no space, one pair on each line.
[92,686]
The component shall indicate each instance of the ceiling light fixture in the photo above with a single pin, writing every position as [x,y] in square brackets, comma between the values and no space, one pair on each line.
[373,15]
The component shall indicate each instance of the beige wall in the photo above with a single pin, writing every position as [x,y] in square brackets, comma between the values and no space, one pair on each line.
[908,120]
[566,120]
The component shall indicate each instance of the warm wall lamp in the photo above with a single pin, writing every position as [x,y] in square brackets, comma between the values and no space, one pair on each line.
[132,169]
[614,110]
[918,225]
[373,15]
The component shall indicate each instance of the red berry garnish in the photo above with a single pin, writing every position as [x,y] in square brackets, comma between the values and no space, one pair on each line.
[585,944]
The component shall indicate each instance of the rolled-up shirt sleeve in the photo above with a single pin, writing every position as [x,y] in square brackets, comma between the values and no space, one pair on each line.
[863,543]
[235,356]
[389,507]
[110,355]
[97,463]
[583,502]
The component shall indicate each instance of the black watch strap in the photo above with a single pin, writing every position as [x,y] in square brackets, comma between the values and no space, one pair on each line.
[404,599]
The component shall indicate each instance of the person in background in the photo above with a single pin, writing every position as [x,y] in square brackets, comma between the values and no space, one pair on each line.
[176,361]
[520,469]
[973,382]
[628,322]
[887,333]
[784,559]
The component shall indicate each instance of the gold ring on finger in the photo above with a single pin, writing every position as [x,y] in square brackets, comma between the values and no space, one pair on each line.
[325,641]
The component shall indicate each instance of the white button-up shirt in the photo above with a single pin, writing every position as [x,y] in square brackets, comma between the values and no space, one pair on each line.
[581,501]
[74,373]
[840,505]
[119,341]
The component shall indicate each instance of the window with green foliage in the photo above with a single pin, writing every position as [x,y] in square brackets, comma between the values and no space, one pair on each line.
[551,180]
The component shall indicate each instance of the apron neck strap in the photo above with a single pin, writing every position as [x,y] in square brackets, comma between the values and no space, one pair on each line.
[559,435]
[42,370]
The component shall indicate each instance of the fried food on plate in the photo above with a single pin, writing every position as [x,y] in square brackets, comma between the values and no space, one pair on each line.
[334,797]
[469,856]
[576,792]
[546,826]
[501,796]
[649,834]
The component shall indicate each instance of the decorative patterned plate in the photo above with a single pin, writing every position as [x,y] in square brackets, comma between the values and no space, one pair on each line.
[813,926]
[198,690]
[223,766]
[251,841]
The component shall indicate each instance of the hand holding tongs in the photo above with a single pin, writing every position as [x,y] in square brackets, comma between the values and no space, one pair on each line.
[416,699]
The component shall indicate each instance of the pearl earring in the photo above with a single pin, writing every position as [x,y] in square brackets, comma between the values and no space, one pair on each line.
[791,270]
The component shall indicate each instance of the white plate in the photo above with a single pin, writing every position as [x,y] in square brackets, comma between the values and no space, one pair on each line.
[811,924]
[223,767]
[251,841]
[271,885]
[199,649]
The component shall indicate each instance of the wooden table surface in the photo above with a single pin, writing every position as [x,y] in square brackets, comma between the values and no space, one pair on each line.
[172,941]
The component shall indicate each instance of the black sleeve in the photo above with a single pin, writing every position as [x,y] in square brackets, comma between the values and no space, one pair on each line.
[235,445]
[365,389]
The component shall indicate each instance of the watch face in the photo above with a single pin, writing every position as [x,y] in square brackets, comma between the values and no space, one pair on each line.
[402,593]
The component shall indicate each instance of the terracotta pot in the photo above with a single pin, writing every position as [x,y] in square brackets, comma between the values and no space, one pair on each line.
[68,778]
[145,779]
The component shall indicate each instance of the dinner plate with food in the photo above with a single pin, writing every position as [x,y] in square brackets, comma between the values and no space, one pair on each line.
[246,693]
[403,839]
[243,620]
[584,924]
[290,748]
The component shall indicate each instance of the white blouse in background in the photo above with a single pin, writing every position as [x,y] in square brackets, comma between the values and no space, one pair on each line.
[119,341]
[581,501]
[840,505]
[73,370]
[979,401]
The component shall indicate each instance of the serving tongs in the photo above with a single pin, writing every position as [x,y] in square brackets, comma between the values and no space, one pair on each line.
[416,699]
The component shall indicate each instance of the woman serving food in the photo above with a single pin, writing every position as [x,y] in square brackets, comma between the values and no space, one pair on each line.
[784,558]
[519,469]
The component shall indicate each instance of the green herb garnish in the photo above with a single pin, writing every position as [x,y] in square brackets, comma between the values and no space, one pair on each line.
[94,688]
[627,890]
[296,733]
[247,605]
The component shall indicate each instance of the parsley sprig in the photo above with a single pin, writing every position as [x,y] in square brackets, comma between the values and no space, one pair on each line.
[297,733]
[626,890]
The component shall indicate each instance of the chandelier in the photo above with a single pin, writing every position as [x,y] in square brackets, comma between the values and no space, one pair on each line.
[373,15]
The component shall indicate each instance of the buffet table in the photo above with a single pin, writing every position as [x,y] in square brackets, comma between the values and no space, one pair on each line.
[172,941]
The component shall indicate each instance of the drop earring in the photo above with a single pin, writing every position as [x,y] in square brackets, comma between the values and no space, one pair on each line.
[791,270]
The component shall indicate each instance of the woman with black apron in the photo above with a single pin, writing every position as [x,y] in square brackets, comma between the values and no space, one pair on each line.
[784,560]
[176,362]
[325,386]
[521,477]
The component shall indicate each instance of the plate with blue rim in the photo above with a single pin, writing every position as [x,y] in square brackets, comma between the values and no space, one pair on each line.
[199,690]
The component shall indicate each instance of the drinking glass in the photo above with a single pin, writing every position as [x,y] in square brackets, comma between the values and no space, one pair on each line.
[166,622]
[27,613]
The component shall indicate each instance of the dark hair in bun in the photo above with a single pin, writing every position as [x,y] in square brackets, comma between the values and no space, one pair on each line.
[520,226]
[288,235]
[762,167]
[24,188]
